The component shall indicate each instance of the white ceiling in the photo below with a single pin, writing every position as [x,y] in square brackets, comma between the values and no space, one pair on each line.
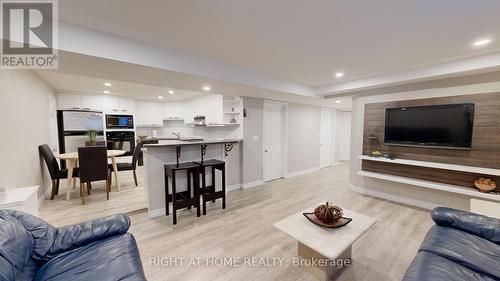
[78,84]
[301,41]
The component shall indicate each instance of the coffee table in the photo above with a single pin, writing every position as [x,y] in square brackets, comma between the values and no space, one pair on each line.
[325,253]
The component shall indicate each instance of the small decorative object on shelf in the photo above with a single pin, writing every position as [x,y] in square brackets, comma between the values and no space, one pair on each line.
[233,120]
[328,216]
[232,109]
[377,153]
[485,185]
[92,134]
[373,139]
[142,137]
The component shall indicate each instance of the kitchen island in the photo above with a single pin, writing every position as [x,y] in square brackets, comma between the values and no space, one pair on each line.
[169,151]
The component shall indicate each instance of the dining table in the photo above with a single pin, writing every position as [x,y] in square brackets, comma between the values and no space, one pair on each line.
[71,159]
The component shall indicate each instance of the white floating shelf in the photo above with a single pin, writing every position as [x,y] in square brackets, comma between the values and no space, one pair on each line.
[231,112]
[452,167]
[432,185]
[223,125]
[231,101]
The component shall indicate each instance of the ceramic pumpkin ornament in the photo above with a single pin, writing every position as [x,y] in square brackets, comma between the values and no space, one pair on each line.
[328,214]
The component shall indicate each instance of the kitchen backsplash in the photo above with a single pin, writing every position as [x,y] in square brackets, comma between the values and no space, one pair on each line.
[170,127]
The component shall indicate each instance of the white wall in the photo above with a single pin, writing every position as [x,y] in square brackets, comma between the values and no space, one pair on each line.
[398,192]
[343,136]
[24,123]
[303,137]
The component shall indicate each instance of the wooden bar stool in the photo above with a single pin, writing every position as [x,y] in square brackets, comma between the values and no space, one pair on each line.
[208,193]
[185,199]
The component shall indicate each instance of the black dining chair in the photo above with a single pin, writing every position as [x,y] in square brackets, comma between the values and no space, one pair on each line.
[130,166]
[56,174]
[93,162]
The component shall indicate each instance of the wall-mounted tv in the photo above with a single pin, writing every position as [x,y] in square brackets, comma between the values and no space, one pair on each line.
[436,126]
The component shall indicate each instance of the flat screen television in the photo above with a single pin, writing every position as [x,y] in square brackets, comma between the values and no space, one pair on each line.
[436,126]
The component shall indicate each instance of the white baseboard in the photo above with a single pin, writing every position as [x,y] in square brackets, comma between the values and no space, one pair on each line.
[392,197]
[156,213]
[302,172]
[233,187]
[253,184]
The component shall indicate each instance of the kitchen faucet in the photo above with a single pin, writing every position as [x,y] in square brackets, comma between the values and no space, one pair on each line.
[178,135]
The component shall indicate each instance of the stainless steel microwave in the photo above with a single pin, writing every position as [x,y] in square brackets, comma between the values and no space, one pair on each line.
[119,121]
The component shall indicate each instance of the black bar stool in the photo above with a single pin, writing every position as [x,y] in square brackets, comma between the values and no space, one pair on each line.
[183,199]
[208,192]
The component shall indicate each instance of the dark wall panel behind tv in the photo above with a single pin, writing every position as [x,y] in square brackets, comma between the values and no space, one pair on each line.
[485,150]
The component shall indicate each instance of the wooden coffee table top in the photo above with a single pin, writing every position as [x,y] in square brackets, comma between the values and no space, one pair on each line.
[328,242]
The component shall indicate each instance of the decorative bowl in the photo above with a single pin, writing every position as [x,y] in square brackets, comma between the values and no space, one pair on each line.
[485,185]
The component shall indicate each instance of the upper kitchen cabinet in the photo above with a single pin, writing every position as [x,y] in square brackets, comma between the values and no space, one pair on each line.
[69,101]
[173,111]
[111,104]
[127,105]
[91,102]
[209,106]
[148,114]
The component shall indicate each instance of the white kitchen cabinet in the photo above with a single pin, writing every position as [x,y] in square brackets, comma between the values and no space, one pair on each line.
[148,114]
[111,104]
[156,114]
[173,111]
[141,113]
[210,106]
[90,102]
[127,105]
[69,101]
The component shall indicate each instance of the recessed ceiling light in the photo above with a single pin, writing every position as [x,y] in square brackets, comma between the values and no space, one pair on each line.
[338,101]
[160,97]
[106,91]
[171,92]
[339,74]
[206,88]
[482,42]
[107,84]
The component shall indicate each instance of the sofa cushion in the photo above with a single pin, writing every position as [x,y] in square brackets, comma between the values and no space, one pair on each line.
[115,258]
[482,226]
[464,248]
[431,267]
[16,247]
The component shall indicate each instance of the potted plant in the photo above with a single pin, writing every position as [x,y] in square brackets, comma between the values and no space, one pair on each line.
[92,134]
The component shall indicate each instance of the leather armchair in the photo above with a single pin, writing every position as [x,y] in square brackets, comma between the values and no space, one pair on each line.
[31,249]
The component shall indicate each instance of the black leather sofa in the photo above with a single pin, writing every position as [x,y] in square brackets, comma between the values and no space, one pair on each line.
[31,249]
[462,246]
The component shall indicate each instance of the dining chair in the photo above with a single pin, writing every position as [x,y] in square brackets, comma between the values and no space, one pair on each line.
[93,167]
[56,174]
[130,166]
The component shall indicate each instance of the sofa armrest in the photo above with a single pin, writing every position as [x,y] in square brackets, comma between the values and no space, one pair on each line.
[78,235]
[479,225]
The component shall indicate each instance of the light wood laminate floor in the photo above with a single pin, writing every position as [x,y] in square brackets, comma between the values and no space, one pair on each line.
[245,229]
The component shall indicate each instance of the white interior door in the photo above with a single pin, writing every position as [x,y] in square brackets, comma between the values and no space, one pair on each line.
[343,135]
[273,129]
[326,138]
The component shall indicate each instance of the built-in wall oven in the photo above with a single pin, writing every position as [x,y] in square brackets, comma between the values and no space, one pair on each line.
[114,121]
[121,140]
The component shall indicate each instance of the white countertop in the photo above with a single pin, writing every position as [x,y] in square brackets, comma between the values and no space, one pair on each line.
[330,243]
[184,143]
